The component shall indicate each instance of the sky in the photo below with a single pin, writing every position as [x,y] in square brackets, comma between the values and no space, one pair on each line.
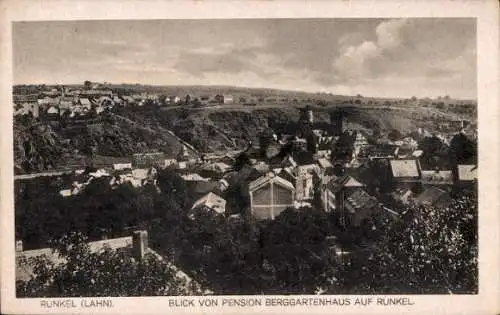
[422,57]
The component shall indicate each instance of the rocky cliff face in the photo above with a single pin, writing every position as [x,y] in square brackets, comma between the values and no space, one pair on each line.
[134,130]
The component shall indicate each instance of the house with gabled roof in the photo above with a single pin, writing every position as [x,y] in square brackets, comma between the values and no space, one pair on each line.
[270,195]
[52,112]
[210,202]
[85,103]
[335,192]
[405,171]
[359,206]
[344,182]
[326,170]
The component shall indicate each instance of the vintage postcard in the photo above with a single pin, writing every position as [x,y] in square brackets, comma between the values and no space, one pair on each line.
[226,157]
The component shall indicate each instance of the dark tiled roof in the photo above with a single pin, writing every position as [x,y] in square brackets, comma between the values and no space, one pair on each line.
[211,201]
[337,183]
[432,196]
[437,177]
[360,200]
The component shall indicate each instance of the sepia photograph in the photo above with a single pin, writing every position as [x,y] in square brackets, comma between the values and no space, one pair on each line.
[327,157]
[274,156]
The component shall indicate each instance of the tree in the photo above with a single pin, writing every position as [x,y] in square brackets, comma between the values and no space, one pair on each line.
[98,210]
[196,102]
[394,135]
[462,150]
[436,153]
[173,188]
[312,142]
[287,255]
[295,252]
[343,148]
[162,99]
[265,140]
[105,273]
[87,85]
[241,160]
[429,250]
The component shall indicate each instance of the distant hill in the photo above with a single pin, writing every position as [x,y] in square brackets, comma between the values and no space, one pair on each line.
[201,90]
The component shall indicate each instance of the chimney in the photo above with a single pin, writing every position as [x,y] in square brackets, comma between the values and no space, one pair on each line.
[19,246]
[139,244]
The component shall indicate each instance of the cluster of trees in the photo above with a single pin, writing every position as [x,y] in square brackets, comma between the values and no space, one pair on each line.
[343,148]
[99,210]
[107,273]
[287,255]
[438,154]
[427,250]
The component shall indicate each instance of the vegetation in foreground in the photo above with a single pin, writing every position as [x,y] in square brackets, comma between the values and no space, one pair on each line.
[428,250]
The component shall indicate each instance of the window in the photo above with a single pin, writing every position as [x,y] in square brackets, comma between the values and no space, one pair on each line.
[282,196]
